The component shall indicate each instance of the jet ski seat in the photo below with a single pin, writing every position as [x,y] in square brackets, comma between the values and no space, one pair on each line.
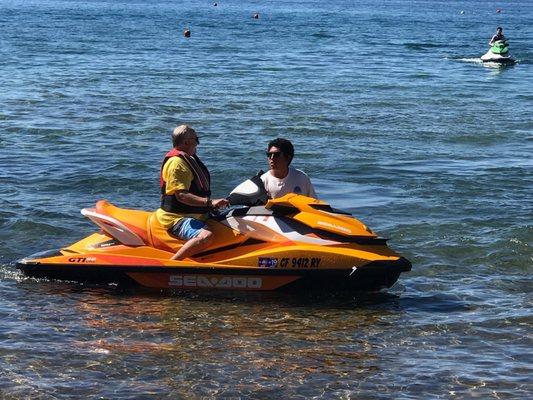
[159,237]
[139,228]
[142,224]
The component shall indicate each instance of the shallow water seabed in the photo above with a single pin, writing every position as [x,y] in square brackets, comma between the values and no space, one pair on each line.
[392,124]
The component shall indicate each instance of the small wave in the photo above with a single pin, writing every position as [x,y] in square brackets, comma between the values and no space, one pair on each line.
[322,35]
[9,272]
[420,75]
[434,303]
[422,46]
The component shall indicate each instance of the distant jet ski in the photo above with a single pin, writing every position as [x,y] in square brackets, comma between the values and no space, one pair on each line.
[498,53]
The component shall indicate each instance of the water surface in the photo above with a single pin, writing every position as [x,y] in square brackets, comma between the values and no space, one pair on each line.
[390,116]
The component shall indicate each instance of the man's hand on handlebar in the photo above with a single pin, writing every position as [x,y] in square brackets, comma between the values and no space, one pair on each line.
[219,203]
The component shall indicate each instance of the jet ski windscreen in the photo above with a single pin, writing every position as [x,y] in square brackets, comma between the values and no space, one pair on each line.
[249,193]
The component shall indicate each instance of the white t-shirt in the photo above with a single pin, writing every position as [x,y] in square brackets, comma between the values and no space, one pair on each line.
[296,181]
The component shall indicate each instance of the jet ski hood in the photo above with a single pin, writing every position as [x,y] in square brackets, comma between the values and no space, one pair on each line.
[314,213]
[318,214]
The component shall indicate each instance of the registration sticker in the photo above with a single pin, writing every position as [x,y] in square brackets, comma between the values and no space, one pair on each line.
[267,262]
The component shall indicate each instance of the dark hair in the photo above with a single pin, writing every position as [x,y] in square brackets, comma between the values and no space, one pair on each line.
[499,28]
[284,145]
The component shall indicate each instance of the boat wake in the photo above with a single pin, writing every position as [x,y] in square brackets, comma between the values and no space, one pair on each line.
[470,60]
[477,60]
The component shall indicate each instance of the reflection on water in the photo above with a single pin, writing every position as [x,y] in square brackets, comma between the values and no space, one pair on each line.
[191,338]
[226,344]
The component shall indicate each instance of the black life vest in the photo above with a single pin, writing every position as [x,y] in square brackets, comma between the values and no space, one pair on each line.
[200,185]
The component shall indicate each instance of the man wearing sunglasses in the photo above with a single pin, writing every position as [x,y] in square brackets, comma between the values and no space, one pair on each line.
[281,177]
[186,194]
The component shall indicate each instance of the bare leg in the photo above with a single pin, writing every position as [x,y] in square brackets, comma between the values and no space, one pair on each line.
[194,245]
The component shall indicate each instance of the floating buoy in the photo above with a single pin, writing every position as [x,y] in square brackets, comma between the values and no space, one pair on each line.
[462,12]
[498,10]
[255,16]
[215,4]
[187,32]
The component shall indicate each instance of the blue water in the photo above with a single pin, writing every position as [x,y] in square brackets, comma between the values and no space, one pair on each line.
[392,116]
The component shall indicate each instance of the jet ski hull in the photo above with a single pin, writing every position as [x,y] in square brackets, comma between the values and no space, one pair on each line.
[491,57]
[372,276]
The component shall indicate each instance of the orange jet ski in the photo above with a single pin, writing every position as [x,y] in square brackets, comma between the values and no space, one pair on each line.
[289,243]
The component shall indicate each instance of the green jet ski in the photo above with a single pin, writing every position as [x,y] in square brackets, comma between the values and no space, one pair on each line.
[498,53]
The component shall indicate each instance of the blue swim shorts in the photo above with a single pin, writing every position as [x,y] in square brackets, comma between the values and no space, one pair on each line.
[187,228]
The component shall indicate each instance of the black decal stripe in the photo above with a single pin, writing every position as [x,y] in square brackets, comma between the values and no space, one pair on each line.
[401,265]
[247,242]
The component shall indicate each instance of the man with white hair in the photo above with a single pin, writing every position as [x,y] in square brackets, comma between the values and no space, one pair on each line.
[186,194]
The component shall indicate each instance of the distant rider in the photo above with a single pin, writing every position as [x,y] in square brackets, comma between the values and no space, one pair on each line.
[186,194]
[282,178]
[498,36]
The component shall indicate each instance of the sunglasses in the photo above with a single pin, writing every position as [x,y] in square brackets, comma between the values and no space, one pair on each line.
[273,154]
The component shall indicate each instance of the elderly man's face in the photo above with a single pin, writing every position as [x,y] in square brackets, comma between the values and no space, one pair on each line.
[191,143]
